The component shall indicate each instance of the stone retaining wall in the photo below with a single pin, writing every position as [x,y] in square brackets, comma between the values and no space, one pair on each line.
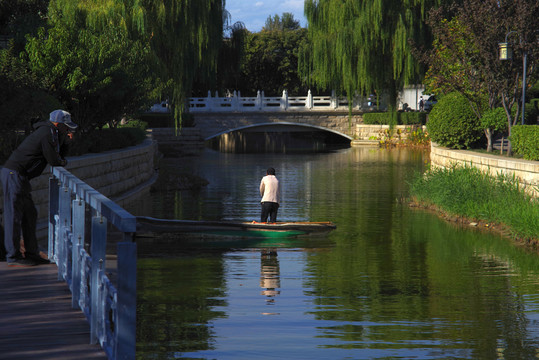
[373,132]
[114,174]
[526,171]
[186,141]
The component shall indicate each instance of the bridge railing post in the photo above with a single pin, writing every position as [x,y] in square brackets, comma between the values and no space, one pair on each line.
[309,100]
[258,100]
[284,100]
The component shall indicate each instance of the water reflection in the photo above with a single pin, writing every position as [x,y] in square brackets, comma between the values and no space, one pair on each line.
[270,280]
[389,282]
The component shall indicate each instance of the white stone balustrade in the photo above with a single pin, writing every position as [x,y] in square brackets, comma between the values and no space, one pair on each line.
[237,103]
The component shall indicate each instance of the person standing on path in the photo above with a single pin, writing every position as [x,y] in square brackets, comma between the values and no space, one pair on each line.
[270,192]
[46,145]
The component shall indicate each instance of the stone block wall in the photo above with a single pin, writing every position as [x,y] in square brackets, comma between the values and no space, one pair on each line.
[186,141]
[526,171]
[372,132]
[211,124]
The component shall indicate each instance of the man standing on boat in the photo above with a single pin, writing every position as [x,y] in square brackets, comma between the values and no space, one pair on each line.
[270,192]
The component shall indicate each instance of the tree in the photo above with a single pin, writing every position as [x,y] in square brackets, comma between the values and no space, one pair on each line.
[362,45]
[21,17]
[184,35]
[271,62]
[99,76]
[465,54]
[286,22]
[231,53]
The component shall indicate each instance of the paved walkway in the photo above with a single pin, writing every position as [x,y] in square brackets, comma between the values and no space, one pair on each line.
[37,320]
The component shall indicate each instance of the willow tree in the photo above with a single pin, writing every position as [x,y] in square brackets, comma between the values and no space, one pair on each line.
[184,35]
[363,45]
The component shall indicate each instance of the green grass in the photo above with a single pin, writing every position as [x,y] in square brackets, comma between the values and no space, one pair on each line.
[467,192]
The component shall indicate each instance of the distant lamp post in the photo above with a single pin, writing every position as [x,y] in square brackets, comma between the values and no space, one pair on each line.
[506,53]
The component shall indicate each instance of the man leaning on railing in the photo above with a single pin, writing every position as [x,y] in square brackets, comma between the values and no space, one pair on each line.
[46,145]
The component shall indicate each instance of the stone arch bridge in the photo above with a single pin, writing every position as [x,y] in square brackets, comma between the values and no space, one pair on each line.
[212,125]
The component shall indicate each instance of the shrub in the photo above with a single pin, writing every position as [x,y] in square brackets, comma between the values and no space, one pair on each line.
[524,140]
[139,124]
[106,139]
[160,120]
[376,118]
[412,118]
[453,124]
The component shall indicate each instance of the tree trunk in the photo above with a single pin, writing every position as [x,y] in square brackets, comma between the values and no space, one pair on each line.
[488,134]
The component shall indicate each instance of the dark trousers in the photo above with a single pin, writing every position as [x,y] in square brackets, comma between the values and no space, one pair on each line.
[20,215]
[269,209]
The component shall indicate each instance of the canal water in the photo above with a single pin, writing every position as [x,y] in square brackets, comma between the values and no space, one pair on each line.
[391,282]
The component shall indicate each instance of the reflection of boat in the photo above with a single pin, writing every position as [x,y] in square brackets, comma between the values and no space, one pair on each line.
[234,228]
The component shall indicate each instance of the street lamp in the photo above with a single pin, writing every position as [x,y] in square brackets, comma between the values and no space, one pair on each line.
[506,53]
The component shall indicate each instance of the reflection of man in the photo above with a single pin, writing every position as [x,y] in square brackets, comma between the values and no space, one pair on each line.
[46,145]
[269,190]
[269,275]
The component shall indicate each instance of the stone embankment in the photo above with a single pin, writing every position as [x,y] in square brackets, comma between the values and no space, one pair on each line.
[117,174]
[372,134]
[526,171]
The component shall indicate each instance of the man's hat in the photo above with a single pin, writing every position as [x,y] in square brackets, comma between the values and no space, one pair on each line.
[62,117]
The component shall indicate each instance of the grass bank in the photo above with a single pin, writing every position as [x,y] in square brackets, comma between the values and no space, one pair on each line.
[468,193]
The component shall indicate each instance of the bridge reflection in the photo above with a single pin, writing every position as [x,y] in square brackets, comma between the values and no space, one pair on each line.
[278,138]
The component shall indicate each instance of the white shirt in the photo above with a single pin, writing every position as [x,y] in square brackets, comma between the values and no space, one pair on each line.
[269,189]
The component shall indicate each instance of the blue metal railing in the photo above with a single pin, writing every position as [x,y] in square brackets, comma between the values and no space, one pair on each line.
[110,310]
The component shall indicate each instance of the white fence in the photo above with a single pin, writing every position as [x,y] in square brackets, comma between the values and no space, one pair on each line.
[235,102]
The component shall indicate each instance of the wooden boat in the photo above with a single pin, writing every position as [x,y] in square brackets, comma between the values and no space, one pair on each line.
[147,225]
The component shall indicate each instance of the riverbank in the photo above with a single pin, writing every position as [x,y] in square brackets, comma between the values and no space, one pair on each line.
[465,195]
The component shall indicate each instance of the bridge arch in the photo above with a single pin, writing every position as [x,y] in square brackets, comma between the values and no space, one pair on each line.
[212,124]
[275,125]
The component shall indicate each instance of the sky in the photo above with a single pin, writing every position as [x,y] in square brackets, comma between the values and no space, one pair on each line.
[253,13]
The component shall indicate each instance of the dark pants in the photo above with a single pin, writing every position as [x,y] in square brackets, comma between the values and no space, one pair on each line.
[20,215]
[269,209]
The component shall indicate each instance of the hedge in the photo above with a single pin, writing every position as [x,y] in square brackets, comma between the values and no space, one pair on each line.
[525,141]
[106,139]
[403,118]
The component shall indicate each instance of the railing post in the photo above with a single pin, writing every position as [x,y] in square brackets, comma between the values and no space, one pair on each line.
[54,190]
[284,100]
[258,103]
[334,102]
[64,225]
[127,300]
[235,102]
[79,209]
[309,100]
[98,252]
[209,103]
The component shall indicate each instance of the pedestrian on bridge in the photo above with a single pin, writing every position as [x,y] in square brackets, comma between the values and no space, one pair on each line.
[270,192]
[48,144]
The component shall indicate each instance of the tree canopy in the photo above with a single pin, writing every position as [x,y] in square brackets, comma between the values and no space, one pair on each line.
[271,62]
[184,35]
[281,23]
[362,45]
[465,54]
